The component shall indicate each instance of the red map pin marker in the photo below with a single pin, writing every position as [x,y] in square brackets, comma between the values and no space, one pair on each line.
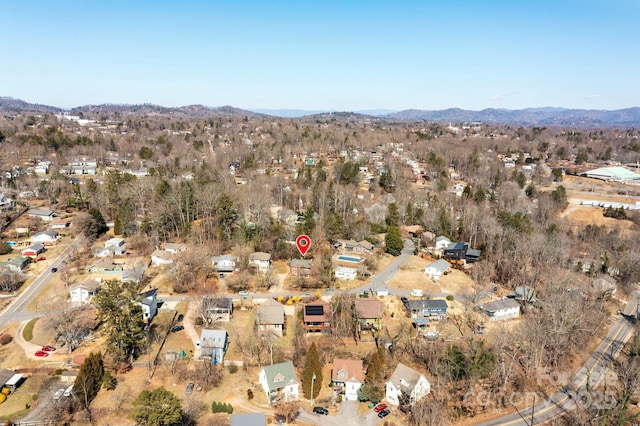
[303,242]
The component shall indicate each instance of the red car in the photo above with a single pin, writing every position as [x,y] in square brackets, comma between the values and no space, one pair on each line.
[48,349]
[380,407]
[40,259]
[41,354]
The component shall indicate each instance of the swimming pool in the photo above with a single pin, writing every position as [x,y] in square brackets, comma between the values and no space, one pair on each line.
[350,259]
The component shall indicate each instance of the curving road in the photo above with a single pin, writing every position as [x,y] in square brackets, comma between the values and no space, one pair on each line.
[17,310]
[589,375]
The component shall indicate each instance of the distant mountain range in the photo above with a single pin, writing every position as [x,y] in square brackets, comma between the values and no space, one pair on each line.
[628,117]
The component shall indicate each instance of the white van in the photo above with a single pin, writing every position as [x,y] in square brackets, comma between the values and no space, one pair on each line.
[382,293]
[416,292]
[67,391]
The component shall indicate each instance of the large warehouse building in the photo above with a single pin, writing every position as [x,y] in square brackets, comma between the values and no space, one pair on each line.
[619,174]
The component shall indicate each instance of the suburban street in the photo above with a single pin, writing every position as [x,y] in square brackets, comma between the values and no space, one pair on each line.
[17,309]
[592,372]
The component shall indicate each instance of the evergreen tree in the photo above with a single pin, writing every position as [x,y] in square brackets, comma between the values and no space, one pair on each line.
[158,407]
[393,215]
[480,196]
[99,219]
[531,191]
[312,366]
[308,222]
[393,241]
[386,181]
[89,379]
[124,325]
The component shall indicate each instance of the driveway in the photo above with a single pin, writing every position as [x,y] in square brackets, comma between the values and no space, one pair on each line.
[347,415]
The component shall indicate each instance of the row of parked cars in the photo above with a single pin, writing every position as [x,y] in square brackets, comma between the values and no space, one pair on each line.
[63,392]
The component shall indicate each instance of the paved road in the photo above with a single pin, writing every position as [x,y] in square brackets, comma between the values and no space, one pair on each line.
[17,310]
[593,371]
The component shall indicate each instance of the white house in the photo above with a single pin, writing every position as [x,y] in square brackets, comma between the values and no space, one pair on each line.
[161,257]
[149,303]
[174,248]
[500,310]
[435,269]
[116,245]
[224,264]
[33,250]
[260,261]
[279,382]
[406,386]
[442,242]
[45,237]
[43,213]
[214,345]
[348,376]
[346,273]
[83,292]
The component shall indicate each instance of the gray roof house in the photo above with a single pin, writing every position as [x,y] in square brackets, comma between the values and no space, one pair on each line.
[279,382]
[225,263]
[214,345]
[270,317]
[406,386]
[437,268]
[500,310]
[427,308]
[149,303]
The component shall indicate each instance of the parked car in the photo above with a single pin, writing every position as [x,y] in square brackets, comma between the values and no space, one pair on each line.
[380,407]
[384,413]
[58,393]
[180,317]
[41,258]
[189,389]
[416,292]
[41,354]
[48,348]
[54,270]
[321,410]
[176,328]
[67,391]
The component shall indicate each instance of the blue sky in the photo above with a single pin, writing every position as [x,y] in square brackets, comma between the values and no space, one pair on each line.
[304,54]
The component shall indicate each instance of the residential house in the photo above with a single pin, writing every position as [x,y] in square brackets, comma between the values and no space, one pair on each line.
[363,246]
[83,292]
[33,250]
[43,213]
[214,345]
[217,308]
[6,203]
[436,269]
[174,248]
[279,382]
[14,264]
[461,251]
[149,303]
[405,387]
[317,316]
[270,318]
[68,377]
[259,262]
[57,224]
[427,308]
[161,257]
[300,268]
[500,310]
[134,275]
[369,314]
[442,242]
[105,265]
[116,245]
[347,376]
[45,237]
[224,264]
[345,273]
